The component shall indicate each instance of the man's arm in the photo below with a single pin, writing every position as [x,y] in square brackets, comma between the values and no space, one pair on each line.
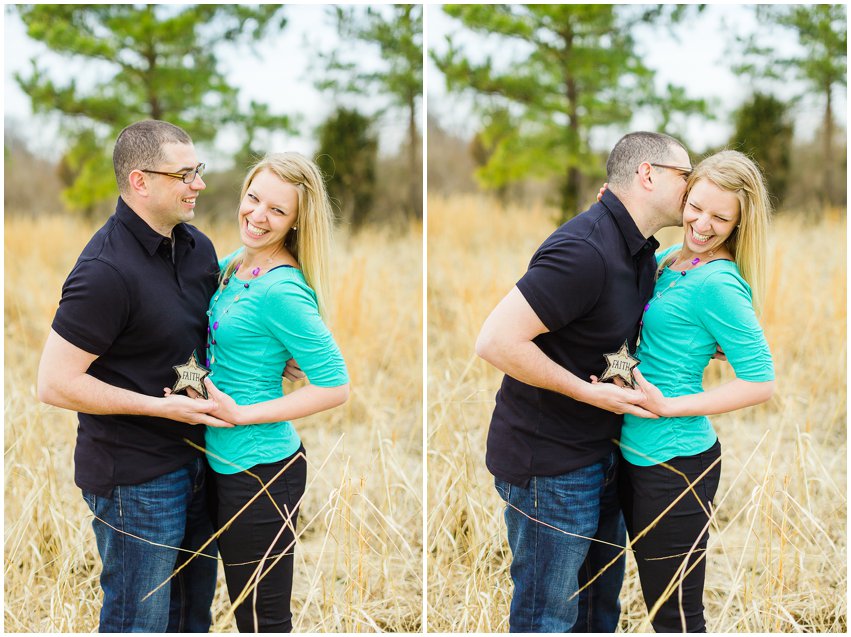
[63,381]
[505,341]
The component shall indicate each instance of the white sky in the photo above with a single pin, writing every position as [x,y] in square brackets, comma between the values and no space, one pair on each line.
[698,61]
[278,75]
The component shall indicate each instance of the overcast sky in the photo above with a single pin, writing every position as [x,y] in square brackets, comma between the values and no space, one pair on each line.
[699,61]
[279,76]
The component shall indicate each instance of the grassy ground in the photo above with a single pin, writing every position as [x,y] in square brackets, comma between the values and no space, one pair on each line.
[777,552]
[359,557]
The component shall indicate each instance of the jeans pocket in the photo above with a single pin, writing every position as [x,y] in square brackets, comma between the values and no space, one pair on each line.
[503,488]
[91,500]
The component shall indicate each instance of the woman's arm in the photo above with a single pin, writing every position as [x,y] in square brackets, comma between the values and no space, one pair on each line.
[304,401]
[728,397]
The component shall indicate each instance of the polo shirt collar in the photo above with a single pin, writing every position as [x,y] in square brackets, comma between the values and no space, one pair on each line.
[635,241]
[145,235]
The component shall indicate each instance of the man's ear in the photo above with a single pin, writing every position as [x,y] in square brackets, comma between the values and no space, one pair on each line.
[643,172]
[138,182]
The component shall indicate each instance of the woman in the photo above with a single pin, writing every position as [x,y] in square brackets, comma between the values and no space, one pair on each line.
[267,309]
[706,293]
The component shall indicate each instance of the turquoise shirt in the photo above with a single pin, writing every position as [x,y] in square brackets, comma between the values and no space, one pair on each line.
[275,319]
[710,304]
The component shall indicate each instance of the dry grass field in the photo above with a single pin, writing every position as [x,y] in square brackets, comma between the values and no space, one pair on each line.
[359,557]
[777,553]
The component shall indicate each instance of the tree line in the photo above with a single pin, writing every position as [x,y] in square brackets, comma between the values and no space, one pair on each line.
[162,62]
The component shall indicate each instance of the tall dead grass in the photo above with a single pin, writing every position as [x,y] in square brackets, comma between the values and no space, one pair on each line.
[777,551]
[359,557]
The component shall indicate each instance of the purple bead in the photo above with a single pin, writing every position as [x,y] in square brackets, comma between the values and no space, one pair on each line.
[214,342]
[683,272]
[696,261]
[236,269]
[245,285]
[208,362]
[255,271]
[646,307]
[227,279]
[216,325]
[208,329]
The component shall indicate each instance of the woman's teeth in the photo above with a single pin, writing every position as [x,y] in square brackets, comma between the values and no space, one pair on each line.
[254,230]
[700,238]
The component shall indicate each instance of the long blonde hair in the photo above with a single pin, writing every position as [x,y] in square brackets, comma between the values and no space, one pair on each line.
[735,172]
[310,241]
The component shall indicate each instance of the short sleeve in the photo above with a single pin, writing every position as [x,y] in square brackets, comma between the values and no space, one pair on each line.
[563,282]
[726,310]
[293,317]
[94,308]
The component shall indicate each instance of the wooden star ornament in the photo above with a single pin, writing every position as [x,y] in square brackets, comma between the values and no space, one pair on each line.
[620,365]
[191,374]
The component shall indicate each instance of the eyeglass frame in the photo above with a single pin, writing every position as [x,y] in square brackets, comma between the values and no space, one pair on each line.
[198,171]
[685,172]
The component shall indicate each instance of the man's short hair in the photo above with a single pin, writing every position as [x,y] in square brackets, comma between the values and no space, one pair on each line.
[634,148]
[140,146]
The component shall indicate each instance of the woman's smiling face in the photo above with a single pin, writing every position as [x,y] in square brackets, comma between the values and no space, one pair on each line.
[710,216]
[267,211]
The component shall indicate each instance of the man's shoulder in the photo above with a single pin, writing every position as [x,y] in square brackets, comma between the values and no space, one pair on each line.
[584,232]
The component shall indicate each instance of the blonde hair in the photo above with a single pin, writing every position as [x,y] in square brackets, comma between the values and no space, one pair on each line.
[735,172]
[310,240]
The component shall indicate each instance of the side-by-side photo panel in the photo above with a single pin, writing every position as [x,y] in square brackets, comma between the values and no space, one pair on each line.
[636,415]
[214,274]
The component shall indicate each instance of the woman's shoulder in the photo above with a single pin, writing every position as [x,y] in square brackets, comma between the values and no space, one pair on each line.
[287,281]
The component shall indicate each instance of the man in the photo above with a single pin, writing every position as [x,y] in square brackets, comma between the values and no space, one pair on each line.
[551,439]
[133,307]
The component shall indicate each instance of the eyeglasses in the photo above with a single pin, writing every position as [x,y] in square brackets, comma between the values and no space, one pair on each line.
[684,171]
[186,178]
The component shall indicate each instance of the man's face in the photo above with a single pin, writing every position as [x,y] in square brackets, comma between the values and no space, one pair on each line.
[171,200]
[671,185]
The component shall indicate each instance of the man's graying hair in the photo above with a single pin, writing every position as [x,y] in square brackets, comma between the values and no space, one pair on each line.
[634,148]
[140,145]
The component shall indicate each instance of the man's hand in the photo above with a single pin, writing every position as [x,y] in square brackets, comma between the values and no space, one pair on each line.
[618,400]
[719,353]
[292,371]
[192,410]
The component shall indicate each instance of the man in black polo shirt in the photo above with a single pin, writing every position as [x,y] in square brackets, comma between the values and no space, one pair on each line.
[550,444]
[133,307]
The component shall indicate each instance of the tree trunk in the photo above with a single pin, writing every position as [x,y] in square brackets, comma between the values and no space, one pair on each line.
[827,195]
[415,195]
[573,178]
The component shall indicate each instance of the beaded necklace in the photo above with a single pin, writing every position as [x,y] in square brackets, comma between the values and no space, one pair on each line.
[659,295]
[212,325]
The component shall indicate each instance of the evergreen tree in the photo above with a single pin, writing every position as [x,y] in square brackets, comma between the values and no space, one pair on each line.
[149,62]
[576,69]
[347,154]
[764,132]
[397,31]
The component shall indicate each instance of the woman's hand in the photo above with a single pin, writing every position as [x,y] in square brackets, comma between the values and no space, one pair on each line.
[191,409]
[653,399]
[292,371]
[227,409]
[602,190]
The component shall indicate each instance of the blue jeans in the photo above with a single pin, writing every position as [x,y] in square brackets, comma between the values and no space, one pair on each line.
[549,566]
[170,510]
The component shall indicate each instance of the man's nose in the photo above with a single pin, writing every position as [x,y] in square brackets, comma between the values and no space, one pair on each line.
[197,183]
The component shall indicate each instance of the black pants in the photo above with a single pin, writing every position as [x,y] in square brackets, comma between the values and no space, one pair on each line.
[662,551]
[249,538]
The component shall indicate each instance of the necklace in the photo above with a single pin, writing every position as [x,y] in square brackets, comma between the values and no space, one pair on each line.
[659,295]
[213,325]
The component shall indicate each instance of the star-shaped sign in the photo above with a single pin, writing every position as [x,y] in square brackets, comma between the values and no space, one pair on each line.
[191,374]
[620,365]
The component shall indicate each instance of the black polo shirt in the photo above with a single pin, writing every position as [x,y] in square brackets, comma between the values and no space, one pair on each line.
[140,313]
[588,283]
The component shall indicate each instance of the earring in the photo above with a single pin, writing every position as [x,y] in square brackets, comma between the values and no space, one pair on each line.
[295,228]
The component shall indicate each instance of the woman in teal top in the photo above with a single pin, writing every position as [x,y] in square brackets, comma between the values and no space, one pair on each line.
[268,309]
[706,292]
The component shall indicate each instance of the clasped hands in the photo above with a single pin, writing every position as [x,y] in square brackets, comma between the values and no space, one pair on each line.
[218,409]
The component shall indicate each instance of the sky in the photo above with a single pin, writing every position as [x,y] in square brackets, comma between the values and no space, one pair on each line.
[699,61]
[278,76]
